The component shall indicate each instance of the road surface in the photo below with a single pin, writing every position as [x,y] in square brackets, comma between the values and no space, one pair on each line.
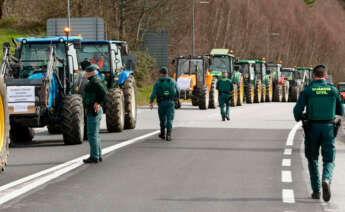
[255,162]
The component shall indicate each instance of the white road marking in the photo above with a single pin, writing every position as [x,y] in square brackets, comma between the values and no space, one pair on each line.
[287,151]
[26,184]
[286,162]
[286,176]
[288,196]
[292,133]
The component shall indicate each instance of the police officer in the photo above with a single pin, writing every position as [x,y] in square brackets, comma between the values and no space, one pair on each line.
[224,87]
[166,91]
[95,94]
[322,102]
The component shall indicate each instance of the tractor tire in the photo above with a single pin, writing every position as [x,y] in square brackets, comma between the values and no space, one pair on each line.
[258,92]
[286,89]
[130,94]
[234,96]
[73,120]
[204,99]
[294,94]
[263,96]
[178,104]
[4,126]
[278,93]
[195,101]
[25,136]
[269,92]
[250,94]
[54,129]
[240,95]
[213,94]
[115,110]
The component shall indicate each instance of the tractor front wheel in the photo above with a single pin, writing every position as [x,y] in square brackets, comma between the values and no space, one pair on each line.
[286,89]
[269,93]
[258,92]
[278,93]
[263,96]
[130,93]
[240,92]
[115,110]
[204,98]
[213,94]
[234,96]
[250,94]
[4,126]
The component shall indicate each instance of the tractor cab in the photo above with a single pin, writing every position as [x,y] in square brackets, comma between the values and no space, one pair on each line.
[341,88]
[266,79]
[274,70]
[292,75]
[247,68]
[307,73]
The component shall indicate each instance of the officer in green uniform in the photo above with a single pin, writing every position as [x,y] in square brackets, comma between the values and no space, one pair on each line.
[166,91]
[322,102]
[95,94]
[224,87]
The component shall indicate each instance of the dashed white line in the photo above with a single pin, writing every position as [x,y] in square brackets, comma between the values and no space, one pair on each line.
[286,176]
[286,162]
[288,151]
[288,196]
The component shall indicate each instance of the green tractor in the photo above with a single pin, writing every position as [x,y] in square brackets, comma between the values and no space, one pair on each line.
[252,82]
[266,80]
[296,82]
[223,61]
[280,84]
[307,73]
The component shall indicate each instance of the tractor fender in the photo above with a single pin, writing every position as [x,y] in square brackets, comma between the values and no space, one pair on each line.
[124,75]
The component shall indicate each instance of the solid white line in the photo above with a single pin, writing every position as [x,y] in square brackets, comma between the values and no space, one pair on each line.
[286,162]
[292,133]
[288,196]
[287,151]
[9,192]
[286,176]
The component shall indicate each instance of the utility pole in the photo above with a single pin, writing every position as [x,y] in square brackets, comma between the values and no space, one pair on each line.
[68,14]
[193,26]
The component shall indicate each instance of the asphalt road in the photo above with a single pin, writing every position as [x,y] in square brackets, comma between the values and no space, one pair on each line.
[246,164]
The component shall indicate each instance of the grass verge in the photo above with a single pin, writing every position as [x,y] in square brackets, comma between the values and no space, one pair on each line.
[143,95]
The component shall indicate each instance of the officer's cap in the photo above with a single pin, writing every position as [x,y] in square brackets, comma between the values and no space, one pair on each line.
[92,68]
[163,70]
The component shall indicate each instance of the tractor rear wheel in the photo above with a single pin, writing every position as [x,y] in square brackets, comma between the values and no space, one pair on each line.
[73,120]
[278,93]
[115,110]
[195,101]
[250,93]
[54,129]
[258,92]
[178,104]
[269,93]
[213,94]
[4,126]
[286,89]
[204,98]
[263,96]
[130,92]
[240,92]
[234,96]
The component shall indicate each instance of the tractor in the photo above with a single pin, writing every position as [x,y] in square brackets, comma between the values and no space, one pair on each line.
[4,114]
[117,73]
[252,81]
[341,88]
[223,61]
[280,84]
[41,86]
[307,74]
[266,80]
[195,82]
[296,82]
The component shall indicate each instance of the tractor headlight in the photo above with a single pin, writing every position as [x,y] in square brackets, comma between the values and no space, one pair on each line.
[61,40]
[25,41]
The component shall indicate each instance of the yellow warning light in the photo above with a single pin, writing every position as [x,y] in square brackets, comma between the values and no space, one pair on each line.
[80,35]
[212,55]
[67,30]
[263,58]
[311,65]
[280,62]
[231,51]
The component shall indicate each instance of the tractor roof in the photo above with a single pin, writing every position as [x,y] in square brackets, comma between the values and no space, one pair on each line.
[273,65]
[289,69]
[221,52]
[104,42]
[191,57]
[246,62]
[48,39]
[259,61]
[304,68]
[341,83]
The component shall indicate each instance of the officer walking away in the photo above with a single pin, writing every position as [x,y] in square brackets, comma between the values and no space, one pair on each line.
[322,102]
[95,94]
[225,88]
[166,91]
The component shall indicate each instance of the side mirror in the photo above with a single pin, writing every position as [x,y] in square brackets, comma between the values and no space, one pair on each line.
[17,53]
[173,62]
[7,45]
[77,44]
[124,49]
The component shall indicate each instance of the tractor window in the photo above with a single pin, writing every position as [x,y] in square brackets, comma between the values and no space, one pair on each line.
[341,88]
[258,70]
[221,64]
[187,66]
[95,54]
[299,75]
[288,75]
[244,69]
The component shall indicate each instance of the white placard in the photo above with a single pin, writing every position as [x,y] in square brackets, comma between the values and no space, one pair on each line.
[183,83]
[21,94]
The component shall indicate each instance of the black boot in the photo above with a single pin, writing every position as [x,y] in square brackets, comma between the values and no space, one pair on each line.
[90,160]
[162,135]
[326,190]
[228,117]
[168,138]
[316,195]
[223,118]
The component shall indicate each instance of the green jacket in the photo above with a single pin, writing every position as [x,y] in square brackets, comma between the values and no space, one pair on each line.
[321,100]
[154,94]
[224,85]
[95,92]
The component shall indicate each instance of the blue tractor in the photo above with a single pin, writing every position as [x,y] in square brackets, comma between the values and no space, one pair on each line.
[116,70]
[42,89]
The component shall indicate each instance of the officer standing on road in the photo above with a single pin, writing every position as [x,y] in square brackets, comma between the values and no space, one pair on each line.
[225,88]
[322,102]
[95,94]
[166,91]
